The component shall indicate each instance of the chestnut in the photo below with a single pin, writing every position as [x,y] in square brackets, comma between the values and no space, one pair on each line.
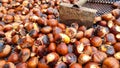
[2,34]
[116,12]
[13,58]
[82,28]
[57,30]
[83,58]
[79,47]
[9,65]
[89,32]
[46,29]
[87,50]
[75,65]
[117,55]
[71,32]
[60,65]
[52,47]
[32,62]
[117,21]
[15,39]
[70,48]
[24,55]
[2,63]
[85,41]
[96,41]
[118,37]
[115,29]
[62,26]
[52,57]
[103,23]
[65,38]
[99,56]
[108,17]
[51,38]
[52,22]
[62,49]
[28,26]
[8,27]
[117,46]
[8,18]
[102,31]
[75,25]
[79,34]
[21,65]
[110,38]
[33,33]
[41,51]
[69,58]
[97,19]
[42,65]
[5,50]
[116,4]
[110,62]
[92,65]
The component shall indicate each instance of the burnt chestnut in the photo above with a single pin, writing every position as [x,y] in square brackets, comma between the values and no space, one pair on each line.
[70,48]
[75,65]
[70,58]
[96,41]
[62,49]
[110,62]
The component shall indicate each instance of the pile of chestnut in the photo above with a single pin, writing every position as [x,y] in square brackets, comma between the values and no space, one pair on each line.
[32,37]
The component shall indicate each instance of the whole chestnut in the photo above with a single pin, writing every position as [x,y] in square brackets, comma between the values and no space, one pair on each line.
[32,62]
[83,58]
[96,41]
[92,65]
[46,29]
[60,65]
[62,49]
[52,47]
[13,58]
[110,38]
[70,58]
[52,22]
[85,41]
[110,62]
[21,65]
[117,46]
[75,65]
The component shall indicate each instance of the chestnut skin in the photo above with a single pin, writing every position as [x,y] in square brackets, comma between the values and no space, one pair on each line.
[32,62]
[13,58]
[110,62]
[75,65]
[2,63]
[21,65]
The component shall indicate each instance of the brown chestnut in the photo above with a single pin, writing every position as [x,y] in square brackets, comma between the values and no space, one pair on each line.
[25,54]
[8,18]
[52,22]
[52,57]
[99,56]
[89,32]
[32,62]
[5,51]
[85,41]
[84,58]
[79,34]
[9,65]
[92,65]
[51,38]
[52,47]
[62,49]
[116,12]
[82,28]
[117,55]
[2,63]
[13,58]
[75,65]
[60,65]
[110,62]
[96,41]
[69,58]
[108,17]
[118,37]
[71,32]
[21,65]
[117,46]
[46,29]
